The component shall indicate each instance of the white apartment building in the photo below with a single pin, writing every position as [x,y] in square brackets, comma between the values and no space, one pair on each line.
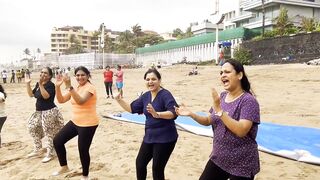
[248,13]
[205,27]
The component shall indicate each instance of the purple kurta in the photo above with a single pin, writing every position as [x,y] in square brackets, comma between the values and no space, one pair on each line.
[235,155]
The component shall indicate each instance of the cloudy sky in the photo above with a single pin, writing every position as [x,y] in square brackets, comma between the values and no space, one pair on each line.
[28,24]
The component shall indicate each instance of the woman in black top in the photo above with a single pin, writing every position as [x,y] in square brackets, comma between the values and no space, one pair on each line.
[47,120]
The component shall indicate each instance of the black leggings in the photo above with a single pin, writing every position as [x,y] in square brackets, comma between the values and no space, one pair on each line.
[108,86]
[160,153]
[85,135]
[213,172]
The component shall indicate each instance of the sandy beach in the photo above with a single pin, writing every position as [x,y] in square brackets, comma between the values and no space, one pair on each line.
[288,94]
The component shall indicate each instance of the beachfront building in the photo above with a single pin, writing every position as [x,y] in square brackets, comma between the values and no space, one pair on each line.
[248,13]
[89,40]
[60,38]
[205,27]
[194,49]
[242,19]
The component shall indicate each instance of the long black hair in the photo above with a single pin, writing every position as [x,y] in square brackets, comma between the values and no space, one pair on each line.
[2,90]
[238,67]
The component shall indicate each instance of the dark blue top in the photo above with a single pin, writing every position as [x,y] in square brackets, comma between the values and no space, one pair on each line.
[157,130]
[44,104]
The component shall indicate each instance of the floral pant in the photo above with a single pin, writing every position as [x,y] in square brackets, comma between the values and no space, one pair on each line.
[45,124]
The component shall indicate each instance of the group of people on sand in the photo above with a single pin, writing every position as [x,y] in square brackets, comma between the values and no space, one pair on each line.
[234,117]
[18,74]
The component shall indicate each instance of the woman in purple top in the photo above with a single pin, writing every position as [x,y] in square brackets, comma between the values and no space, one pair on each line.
[161,135]
[235,116]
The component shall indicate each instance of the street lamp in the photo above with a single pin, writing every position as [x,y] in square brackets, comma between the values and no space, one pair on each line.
[216,12]
[102,42]
[217,38]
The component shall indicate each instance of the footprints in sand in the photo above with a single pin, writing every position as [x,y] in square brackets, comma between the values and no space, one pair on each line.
[11,146]
[5,163]
[14,145]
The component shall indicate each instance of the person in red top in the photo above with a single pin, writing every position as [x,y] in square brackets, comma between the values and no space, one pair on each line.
[108,75]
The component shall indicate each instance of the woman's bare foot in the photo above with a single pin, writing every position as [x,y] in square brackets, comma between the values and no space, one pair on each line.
[62,170]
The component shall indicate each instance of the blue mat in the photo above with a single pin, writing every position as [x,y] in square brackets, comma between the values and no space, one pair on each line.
[293,142]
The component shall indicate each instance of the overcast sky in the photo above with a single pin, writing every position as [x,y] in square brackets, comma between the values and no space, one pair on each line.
[28,23]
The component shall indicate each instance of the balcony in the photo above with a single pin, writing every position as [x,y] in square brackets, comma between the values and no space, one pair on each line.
[243,16]
[258,23]
[254,5]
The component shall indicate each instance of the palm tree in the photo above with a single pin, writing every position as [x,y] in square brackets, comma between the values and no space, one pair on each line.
[177,32]
[125,45]
[75,47]
[137,31]
[188,33]
[27,52]
[108,44]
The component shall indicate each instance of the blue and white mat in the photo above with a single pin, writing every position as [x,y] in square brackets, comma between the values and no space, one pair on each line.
[293,142]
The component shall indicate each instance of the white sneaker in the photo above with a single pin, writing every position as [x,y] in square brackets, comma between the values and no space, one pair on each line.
[61,171]
[36,153]
[33,154]
[47,159]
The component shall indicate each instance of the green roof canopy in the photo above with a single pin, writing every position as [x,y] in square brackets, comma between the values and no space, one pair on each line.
[202,39]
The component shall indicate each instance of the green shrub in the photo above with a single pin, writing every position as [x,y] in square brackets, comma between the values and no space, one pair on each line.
[243,55]
[257,38]
[292,30]
[270,34]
